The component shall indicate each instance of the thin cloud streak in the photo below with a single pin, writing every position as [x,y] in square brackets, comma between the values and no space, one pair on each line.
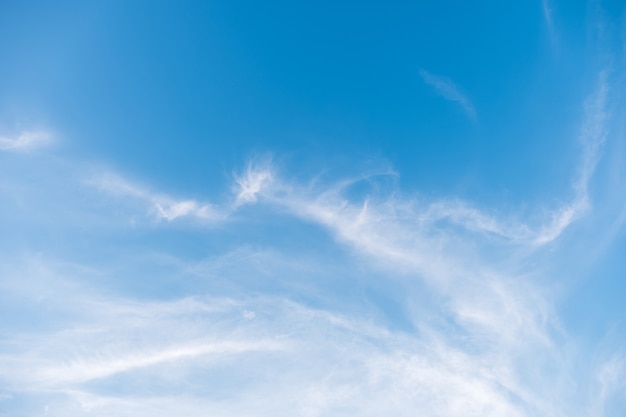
[160,205]
[548,18]
[84,370]
[489,326]
[328,206]
[467,354]
[26,141]
[592,138]
[502,322]
[289,359]
[448,90]
[260,180]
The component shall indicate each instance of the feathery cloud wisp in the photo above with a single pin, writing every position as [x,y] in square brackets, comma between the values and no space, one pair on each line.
[449,90]
[547,15]
[203,353]
[252,182]
[592,137]
[26,141]
[161,205]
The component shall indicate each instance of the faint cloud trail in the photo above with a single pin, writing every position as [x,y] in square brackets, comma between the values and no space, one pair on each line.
[260,182]
[257,176]
[26,141]
[469,354]
[97,368]
[330,208]
[592,138]
[449,90]
[162,206]
[548,17]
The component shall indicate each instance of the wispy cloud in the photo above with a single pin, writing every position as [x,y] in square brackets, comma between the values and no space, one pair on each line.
[248,185]
[350,221]
[486,324]
[84,369]
[256,177]
[327,206]
[26,141]
[201,353]
[592,138]
[450,91]
[548,18]
[160,205]
[253,332]
[260,180]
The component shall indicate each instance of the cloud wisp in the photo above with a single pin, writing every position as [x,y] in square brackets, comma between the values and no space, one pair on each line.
[466,352]
[450,91]
[26,141]
[260,182]
[160,205]
[328,206]
[253,331]
[271,356]
[483,339]
[549,20]
[592,138]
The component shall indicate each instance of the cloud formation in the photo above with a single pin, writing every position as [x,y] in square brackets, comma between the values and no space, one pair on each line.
[549,20]
[160,205]
[261,181]
[450,91]
[592,138]
[26,141]
[484,354]
[480,337]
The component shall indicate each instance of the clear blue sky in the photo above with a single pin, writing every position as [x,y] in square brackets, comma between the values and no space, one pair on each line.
[312,209]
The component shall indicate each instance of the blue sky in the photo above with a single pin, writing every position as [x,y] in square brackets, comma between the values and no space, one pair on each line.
[312,209]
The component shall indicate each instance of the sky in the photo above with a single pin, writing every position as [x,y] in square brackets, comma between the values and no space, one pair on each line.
[330,208]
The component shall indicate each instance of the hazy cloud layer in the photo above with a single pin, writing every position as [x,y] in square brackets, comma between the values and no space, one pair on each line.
[159,205]
[329,295]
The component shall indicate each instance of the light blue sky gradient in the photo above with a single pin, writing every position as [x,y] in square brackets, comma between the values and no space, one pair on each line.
[312,209]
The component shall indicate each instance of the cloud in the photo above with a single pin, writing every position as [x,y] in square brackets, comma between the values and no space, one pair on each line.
[592,138]
[248,185]
[254,180]
[256,177]
[83,370]
[260,180]
[160,205]
[448,90]
[548,18]
[129,357]
[437,305]
[26,141]
[482,337]
[360,223]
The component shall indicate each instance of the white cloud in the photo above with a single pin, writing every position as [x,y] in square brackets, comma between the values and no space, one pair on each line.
[470,353]
[83,370]
[356,222]
[26,141]
[448,90]
[160,205]
[257,176]
[549,20]
[155,358]
[592,138]
[483,340]
[488,343]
